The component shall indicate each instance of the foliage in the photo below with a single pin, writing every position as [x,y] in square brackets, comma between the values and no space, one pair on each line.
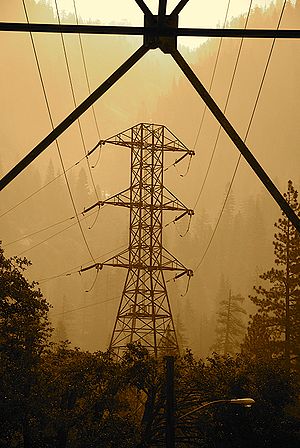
[230,327]
[84,387]
[146,374]
[24,334]
[268,423]
[278,302]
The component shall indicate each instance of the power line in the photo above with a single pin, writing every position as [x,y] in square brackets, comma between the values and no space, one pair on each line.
[40,189]
[86,306]
[38,231]
[74,99]
[56,141]
[209,89]
[86,73]
[213,76]
[225,108]
[52,180]
[220,214]
[246,136]
[77,269]
[55,234]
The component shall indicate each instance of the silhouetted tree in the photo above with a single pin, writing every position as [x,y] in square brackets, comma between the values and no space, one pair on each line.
[278,303]
[268,424]
[24,334]
[257,343]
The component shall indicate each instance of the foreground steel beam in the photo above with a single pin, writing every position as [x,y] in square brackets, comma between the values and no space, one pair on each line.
[236,139]
[73,116]
[144,7]
[179,7]
[149,31]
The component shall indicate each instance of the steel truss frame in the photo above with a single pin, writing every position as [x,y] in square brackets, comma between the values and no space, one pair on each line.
[159,31]
[144,314]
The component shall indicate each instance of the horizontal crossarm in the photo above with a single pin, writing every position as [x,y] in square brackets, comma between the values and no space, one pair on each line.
[122,199]
[170,141]
[149,31]
[122,260]
[236,139]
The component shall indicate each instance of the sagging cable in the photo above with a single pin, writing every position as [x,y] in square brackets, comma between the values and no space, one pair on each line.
[95,220]
[188,227]
[100,143]
[98,268]
[97,161]
[187,170]
[177,218]
[187,286]
[98,204]
[188,272]
[188,153]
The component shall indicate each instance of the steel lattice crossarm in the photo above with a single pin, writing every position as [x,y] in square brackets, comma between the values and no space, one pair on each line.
[122,199]
[162,138]
[123,260]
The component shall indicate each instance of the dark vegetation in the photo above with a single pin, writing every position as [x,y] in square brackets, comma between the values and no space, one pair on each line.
[53,395]
[41,226]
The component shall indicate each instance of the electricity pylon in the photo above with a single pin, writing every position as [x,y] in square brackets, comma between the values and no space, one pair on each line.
[144,313]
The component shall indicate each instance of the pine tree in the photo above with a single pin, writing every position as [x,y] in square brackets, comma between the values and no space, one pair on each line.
[256,344]
[230,326]
[278,304]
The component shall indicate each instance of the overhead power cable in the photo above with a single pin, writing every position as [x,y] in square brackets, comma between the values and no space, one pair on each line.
[50,181]
[74,100]
[220,214]
[85,306]
[225,107]
[86,74]
[38,231]
[209,89]
[213,75]
[57,233]
[246,135]
[77,269]
[40,189]
[54,225]
[56,141]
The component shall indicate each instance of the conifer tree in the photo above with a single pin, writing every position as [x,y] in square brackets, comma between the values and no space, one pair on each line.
[278,302]
[230,326]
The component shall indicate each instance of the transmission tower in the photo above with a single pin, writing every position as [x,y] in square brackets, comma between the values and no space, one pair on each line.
[144,312]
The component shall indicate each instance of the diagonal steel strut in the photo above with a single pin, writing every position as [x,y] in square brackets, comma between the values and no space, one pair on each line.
[135,57]
[143,7]
[236,139]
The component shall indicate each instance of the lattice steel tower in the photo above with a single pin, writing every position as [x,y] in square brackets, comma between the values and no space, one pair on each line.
[144,313]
